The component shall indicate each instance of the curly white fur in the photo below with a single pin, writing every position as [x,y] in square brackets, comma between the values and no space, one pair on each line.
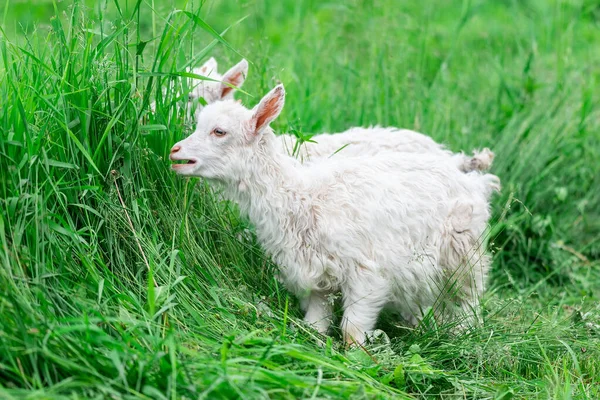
[396,229]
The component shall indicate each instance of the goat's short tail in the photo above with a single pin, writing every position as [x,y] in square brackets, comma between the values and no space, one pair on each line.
[481,160]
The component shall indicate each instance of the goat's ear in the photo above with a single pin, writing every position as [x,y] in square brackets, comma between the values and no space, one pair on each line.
[208,67]
[268,109]
[235,76]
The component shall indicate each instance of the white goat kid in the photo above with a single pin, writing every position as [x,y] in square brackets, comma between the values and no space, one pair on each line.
[394,229]
[218,88]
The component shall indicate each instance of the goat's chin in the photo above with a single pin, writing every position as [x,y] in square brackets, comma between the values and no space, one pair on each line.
[196,170]
[186,169]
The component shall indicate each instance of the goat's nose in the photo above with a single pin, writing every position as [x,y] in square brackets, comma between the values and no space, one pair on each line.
[174,150]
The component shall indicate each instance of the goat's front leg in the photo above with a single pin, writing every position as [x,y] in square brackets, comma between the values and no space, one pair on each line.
[363,301]
[319,311]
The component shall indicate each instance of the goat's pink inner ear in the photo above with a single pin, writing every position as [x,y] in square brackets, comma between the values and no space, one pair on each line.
[266,112]
[234,79]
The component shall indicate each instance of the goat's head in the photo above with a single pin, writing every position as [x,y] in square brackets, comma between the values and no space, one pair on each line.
[212,91]
[226,137]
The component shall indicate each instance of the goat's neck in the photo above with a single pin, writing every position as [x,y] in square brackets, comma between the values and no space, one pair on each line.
[272,191]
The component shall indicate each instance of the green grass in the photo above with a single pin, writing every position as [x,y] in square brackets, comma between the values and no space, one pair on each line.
[120,280]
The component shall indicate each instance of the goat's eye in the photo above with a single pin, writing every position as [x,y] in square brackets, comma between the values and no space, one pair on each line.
[219,132]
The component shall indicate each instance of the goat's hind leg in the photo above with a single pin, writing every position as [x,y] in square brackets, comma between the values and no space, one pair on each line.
[463,291]
[473,287]
[467,264]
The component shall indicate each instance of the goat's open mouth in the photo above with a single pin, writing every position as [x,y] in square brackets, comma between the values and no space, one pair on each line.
[181,163]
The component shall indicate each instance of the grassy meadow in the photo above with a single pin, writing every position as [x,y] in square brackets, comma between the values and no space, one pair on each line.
[120,280]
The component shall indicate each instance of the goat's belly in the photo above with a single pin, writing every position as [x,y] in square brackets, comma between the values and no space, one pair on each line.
[302,272]
[413,298]
[414,281]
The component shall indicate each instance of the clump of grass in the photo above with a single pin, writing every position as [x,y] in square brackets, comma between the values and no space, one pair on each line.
[117,279]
